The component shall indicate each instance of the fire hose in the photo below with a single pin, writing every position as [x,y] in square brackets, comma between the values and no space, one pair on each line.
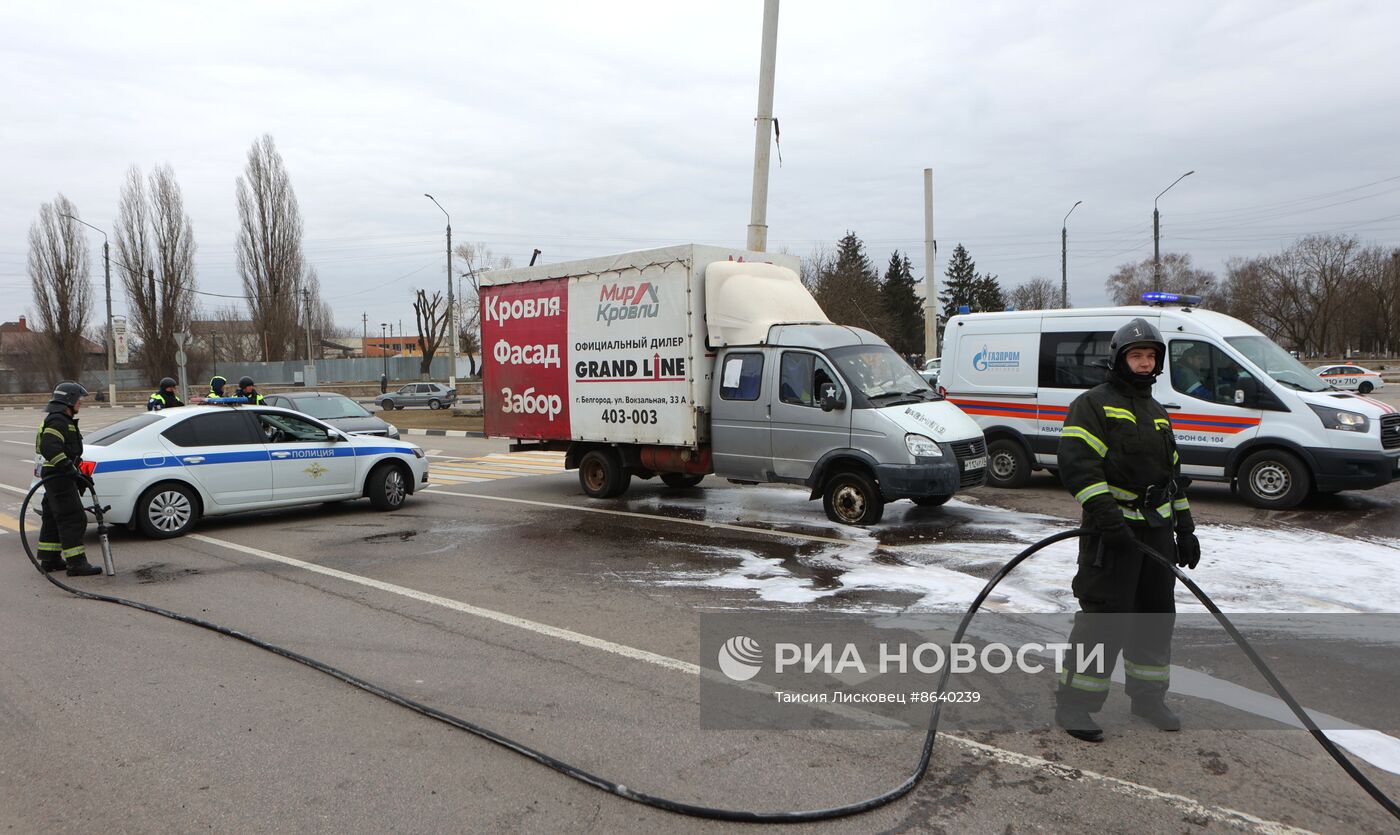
[915,777]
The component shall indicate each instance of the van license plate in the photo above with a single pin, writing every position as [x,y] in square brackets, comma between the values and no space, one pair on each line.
[975,463]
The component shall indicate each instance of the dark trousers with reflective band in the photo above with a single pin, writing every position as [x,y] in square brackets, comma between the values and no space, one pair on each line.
[65,521]
[1126,604]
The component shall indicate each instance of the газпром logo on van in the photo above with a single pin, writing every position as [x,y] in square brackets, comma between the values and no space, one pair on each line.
[985,359]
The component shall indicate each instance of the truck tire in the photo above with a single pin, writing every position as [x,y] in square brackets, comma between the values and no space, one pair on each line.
[932,501]
[1273,479]
[386,487]
[853,498]
[1365,387]
[1008,466]
[167,510]
[601,474]
[681,481]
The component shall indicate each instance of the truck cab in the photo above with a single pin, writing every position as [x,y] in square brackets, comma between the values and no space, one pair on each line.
[835,409]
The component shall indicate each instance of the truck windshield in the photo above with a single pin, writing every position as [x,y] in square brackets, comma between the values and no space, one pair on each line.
[1277,363]
[880,374]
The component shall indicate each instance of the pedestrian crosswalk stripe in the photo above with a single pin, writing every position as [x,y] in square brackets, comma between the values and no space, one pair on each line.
[495,466]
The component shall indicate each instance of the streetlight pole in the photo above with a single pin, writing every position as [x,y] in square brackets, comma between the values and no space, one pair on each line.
[384,346]
[451,300]
[763,130]
[1064,256]
[111,343]
[1157,234]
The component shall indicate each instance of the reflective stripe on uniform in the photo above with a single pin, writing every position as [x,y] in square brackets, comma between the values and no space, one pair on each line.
[56,460]
[1176,459]
[1121,414]
[1098,488]
[50,546]
[1146,672]
[1165,510]
[76,551]
[1181,504]
[1084,681]
[1122,495]
[1129,513]
[1161,423]
[49,430]
[1087,437]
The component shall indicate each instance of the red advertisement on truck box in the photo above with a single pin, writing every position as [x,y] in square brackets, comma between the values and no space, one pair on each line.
[524,337]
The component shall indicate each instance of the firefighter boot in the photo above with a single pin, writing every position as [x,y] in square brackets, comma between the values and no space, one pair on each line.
[78,566]
[1156,712]
[1078,723]
[51,562]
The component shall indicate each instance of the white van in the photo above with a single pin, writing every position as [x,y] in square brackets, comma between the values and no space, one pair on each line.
[1244,411]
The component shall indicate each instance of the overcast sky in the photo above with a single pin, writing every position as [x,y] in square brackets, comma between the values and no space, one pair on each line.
[589,128]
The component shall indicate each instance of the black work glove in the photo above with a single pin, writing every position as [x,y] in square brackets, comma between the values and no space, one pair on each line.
[1119,542]
[1188,549]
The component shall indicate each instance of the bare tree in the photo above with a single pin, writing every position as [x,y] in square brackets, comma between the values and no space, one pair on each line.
[58,272]
[155,256]
[478,259]
[1130,281]
[431,314]
[269,248]
[1040,293]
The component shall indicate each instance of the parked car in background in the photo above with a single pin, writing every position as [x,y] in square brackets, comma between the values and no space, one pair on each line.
[1350,378]
[336,409]
[432,395]
[931,369]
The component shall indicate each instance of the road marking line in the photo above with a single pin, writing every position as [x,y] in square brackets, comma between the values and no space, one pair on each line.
[810,537]
[21,443]
[435,471]
[465,608]
[9,522]
[1061,770]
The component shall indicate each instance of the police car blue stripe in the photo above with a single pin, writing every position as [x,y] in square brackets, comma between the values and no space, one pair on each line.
[240,457]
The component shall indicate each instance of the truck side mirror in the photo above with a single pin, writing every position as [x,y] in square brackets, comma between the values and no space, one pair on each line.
[829,400]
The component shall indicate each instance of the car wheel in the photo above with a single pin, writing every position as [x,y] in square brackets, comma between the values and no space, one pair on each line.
[1273,479]
[167,510]
[932,501]
[601,474]
[435,404]
[387,405]
[681,480]
[1365,387]
[1008,466]
[853,498]
[387,487]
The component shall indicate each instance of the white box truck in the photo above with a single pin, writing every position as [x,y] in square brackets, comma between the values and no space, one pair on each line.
[1244,411]
[689,360]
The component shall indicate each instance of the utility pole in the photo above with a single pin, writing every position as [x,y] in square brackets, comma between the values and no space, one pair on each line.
[1064,256]
[451,303]
[111,340]
[930,277]
[1157,234]
[763,129]
[306,298]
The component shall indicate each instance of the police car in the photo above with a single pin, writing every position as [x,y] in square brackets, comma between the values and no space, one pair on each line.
[161,471]
[1350,378]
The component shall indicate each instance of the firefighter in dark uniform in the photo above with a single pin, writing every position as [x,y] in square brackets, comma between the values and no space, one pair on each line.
[61,446]
[216,386]
[245,389]
[1119,459]
[165,398]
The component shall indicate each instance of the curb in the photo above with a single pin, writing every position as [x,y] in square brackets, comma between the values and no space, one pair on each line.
[86,406]
[439,433]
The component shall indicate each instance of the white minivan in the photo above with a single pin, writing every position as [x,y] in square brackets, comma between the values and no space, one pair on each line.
[1243,410]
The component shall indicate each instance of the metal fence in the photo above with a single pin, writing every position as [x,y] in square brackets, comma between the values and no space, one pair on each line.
[357,370]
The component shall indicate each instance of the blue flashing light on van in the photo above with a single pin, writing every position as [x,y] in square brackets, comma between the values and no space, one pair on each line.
[1170,298]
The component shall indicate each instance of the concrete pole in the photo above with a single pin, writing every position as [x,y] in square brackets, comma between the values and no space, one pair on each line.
[111,338]
[451,315]
[930,276]
[763,129]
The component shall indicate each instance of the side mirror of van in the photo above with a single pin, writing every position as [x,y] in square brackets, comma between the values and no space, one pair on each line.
[1246,392]
[829,400]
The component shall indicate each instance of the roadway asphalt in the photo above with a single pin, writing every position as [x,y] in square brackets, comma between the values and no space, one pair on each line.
[515,602]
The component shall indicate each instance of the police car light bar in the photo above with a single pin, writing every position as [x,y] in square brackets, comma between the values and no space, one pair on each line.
[1170,298]
[225,401]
